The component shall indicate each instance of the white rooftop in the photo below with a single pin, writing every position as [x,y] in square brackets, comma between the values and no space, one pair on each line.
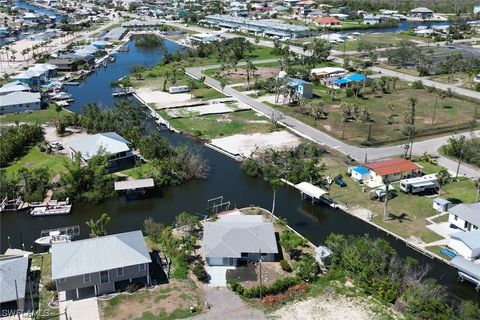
[19,97]
[311,190]
[134,184]
[109,142]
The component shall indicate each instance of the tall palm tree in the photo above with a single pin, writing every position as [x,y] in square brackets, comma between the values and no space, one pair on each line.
[97,228]
[275,183]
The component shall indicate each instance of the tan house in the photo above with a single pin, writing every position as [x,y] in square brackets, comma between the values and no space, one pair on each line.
[391,170]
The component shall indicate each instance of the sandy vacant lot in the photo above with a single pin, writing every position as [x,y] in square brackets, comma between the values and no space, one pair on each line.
[261,72]
[245,144]
[162,99]
[212,108]
[328,307]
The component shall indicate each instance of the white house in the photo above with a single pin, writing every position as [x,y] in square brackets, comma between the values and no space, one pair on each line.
[421,13]
[465,216]
[20,101]
[234,239]
[466,244]
[110,143]
[14,86]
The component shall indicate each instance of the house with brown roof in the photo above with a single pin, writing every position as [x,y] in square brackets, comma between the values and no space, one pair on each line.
[392,170]
[327,22]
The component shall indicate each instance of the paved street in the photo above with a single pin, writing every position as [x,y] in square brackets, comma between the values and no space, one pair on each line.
[358,153]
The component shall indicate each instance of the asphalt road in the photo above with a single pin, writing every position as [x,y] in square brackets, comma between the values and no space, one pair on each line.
[430,146]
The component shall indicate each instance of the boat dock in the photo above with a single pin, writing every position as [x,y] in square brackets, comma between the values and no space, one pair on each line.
[73,231]
[11,204]
[308,190]
[117,92]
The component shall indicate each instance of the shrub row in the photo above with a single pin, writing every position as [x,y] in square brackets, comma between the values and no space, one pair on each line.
[279,286]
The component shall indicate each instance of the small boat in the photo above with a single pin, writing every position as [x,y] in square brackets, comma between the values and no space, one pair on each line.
[53,237]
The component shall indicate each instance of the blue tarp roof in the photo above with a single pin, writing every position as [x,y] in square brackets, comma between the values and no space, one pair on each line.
[361,170]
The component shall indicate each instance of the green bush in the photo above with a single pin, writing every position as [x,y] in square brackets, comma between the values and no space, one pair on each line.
[133,287]
[418,84]
[200,272]
[307,268]
[50,286]
[279,286]
[180,268]
[285,266]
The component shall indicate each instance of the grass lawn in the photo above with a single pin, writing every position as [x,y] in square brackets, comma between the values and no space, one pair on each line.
[415,208]
[38,116]
[138,172]
[412,72]
[436,250]
[453,114]
[207,93]
[379,40]
[36,159]
[461,79]
[219,125]
[166,301]
[44,262]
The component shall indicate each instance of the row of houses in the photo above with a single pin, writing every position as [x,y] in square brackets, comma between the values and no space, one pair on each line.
[108,264]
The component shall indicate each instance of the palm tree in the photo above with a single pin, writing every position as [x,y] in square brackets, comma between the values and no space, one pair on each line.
[222,84]
[250,69]
[97,228]
[191,85]
[385,206]
[275,183]
[477,185]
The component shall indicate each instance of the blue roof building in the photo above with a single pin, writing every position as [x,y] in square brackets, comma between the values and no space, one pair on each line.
[303,88]
[359,173]
[345,81]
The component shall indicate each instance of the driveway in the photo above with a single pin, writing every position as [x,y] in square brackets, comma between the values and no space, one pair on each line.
[218,275]
[82,309]
[224,304]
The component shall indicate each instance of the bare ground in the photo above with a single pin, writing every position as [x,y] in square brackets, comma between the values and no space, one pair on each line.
[326,307]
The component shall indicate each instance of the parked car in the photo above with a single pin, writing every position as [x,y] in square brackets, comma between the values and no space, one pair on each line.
[340,182]
[55,145]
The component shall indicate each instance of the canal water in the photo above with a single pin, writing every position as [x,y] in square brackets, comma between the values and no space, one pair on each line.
[30,7]
[402,26]
[226,179]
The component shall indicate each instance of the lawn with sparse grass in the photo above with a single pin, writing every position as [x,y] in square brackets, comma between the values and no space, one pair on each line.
[436,250]
[408,213]
[220,125]
[44,263]
[167,301]
[37,159]
[38,116]
[139,171]
[453,114]
[378,40]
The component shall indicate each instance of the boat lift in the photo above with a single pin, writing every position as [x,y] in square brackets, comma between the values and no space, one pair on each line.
[216,205]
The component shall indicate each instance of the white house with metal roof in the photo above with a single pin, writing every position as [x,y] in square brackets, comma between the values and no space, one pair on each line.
[13,280]
[20,101]
[234,239]
[465,216]
[110,143]
[466,244]
[100,265]
[14,86]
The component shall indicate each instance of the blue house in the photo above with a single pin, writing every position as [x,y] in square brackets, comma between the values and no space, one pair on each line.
[303,88]
[345,81]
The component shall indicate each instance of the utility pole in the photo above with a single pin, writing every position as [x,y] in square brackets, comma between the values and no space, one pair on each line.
[18,301]
[260,276]
[459,162]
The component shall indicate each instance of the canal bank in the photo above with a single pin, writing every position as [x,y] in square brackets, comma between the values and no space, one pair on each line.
[315,222]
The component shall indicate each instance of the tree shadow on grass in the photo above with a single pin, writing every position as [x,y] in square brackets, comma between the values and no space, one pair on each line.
[401,217]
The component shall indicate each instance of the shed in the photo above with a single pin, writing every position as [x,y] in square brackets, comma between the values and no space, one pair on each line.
[359,173]
[323,254]
[441,205]
[303,88]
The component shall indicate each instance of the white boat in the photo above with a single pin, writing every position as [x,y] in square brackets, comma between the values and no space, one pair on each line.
[53,237]
[51,210]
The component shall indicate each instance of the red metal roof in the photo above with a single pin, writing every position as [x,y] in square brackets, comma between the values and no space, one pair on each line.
[392,166]
[324,20]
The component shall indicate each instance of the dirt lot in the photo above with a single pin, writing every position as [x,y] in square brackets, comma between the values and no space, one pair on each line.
[173,299]
[248,275]
[261,72]
[51,135]
[327,307]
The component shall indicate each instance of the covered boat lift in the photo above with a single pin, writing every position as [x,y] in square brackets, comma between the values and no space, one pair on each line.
[467,270]
[134,188]
[314,193]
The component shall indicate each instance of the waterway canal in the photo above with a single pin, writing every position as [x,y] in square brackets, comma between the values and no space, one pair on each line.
[226,179]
